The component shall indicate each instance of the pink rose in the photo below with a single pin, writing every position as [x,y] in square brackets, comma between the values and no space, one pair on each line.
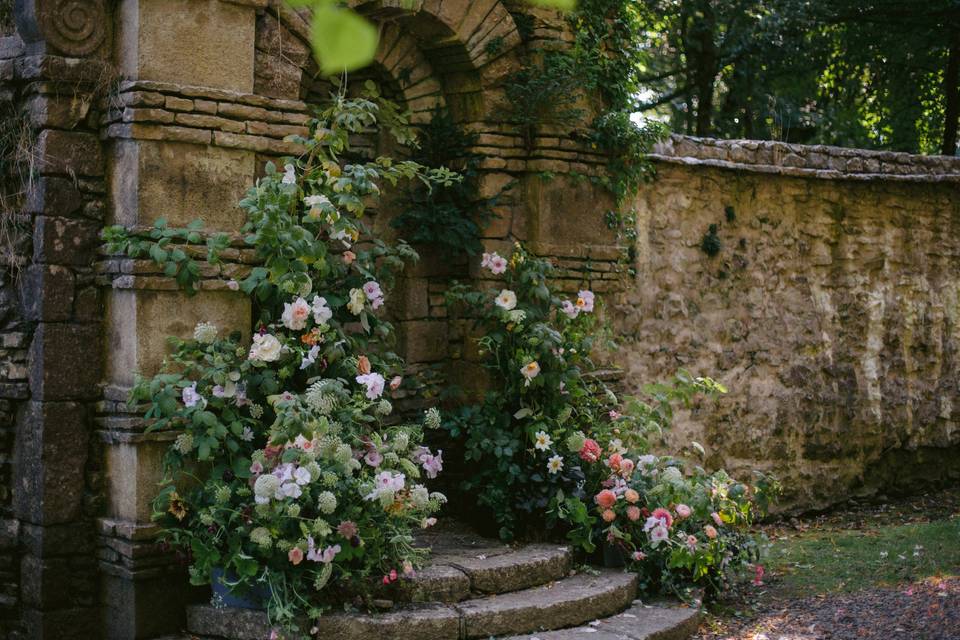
[590,451]
[633,513]
[683,511]
[710,531]
[609,515]
[606,498]
[295,555]
[631,496]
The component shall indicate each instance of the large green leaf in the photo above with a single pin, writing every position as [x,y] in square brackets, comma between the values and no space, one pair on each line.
[341,39]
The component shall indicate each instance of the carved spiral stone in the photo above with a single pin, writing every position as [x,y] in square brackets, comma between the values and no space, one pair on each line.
[75,27]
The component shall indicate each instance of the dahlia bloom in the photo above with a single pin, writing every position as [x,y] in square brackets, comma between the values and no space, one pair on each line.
[590,451]
[606,498]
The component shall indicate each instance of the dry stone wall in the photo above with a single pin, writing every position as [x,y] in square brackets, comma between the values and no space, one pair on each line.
[831,310]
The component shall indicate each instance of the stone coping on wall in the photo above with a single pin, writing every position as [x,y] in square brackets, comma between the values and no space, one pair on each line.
[808,161]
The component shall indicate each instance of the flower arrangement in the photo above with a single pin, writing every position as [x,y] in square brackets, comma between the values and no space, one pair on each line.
[554,451]
[291,476]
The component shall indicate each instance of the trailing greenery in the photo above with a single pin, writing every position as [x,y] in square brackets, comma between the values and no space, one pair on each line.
[544,92]
[448,217]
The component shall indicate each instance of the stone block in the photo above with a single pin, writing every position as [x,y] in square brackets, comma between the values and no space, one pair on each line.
[204,43]
[139,321]
[151,179]
[53,196]
[413,298]
[143,608]
[132,473]
[57,540]
[423,340]
[47,293]
[276,78]
[64,361]
[565,211]
[69,152]
[51,451]
[65,241]
[80,623]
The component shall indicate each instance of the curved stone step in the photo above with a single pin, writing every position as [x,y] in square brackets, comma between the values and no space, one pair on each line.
[452,576]
[568,602]
[639,622]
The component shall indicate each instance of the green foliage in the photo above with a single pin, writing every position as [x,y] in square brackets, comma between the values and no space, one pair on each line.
[168,247]
[626,144]
[288,472]
[448,217]
[544,92]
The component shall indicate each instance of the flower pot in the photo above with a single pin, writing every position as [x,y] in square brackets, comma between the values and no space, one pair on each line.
[613,556]
[255,598]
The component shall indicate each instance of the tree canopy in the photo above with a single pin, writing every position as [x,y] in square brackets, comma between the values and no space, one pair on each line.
[866,73]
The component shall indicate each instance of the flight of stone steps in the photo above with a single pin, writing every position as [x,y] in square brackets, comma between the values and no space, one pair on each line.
[479,588]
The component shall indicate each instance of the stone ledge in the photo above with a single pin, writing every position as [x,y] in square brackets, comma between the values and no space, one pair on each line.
[639,622]
[807,161]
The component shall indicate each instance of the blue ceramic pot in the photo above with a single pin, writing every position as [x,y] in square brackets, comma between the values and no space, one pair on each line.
[255,598]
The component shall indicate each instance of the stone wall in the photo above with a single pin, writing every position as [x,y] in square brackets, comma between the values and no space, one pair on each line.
[831,311]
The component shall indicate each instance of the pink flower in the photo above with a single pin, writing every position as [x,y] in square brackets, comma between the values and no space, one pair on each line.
[662,514]
[614,414]
[717,519]
[256,467]
[606,498]
[692,543]
[683,511]
[295,555]
[372,290]
[374,383]
[758,575]
[633,513]
[495,262]
[710,532]
[373,458]
[329,554]
[590,451]
[626,467]
[658,534]
[349,257]
[614,461]
[295,314]
[608,515]
[432,464]
[569,309]
[585,301]
[395,383]
[631,496]
[347,528]
[638,556]
[408,571]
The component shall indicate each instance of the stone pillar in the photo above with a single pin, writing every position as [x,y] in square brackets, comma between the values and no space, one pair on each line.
[57,75]
[195,52]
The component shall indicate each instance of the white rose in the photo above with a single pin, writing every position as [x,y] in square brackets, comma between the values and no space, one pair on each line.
[265,348]
[295,314]
[507,300]
[358,300]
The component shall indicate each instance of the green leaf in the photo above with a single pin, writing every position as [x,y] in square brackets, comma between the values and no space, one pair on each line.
[341,39]
[565,5]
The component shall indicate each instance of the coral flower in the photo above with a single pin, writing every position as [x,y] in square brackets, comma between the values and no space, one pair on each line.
[363,365]
[626,467]
[615,461]
[683,511]
[631,496]
[633,513]
[590,451]
[295,555]
[606,498]
[662,514]
[639,555]
[717,519]
[609,515]
[710,531]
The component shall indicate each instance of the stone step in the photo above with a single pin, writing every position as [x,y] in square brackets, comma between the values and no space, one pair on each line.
[455,575]
[566,603]
[660,621]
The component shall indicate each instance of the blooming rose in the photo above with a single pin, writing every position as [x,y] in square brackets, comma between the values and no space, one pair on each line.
[608,515]
[295,555]
[395,383]
[710,531]
[664,516]
[358,300]
[683,510]
[506,300]
[374,383]
[295,314]
[530,371]
[614,461]
[590,451]
[585,301]
[633,513]
[606,498]
[321,312]
[363,365]
[626,467]
[265,348]
[349,257]
[631,496]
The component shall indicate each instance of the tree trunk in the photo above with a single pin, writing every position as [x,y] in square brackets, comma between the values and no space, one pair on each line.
[951,90]
[705,70]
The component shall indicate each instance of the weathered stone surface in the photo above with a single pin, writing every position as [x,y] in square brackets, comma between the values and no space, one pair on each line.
[51,448]
[565,603]
[423,340]
[47,292]
[436,583]
[64,241]
[139,322]
[528,566]
[210,43]
[829,313]
[63,361]
[639,622]
[69,152]
[179,182]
